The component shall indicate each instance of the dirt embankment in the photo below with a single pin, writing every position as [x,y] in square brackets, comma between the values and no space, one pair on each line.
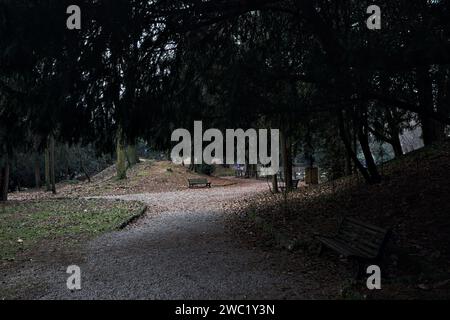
[412,200]
[145,177]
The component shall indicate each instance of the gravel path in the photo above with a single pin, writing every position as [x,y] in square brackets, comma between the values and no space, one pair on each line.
[184,252]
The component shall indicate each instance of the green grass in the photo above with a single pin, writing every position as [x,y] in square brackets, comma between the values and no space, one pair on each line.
[220,171]
[25,225]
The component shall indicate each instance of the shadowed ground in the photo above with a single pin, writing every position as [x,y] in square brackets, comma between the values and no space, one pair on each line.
[182,252]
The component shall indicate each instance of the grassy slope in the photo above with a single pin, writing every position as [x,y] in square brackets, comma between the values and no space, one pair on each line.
[413,200]
[37,218]
[147,176]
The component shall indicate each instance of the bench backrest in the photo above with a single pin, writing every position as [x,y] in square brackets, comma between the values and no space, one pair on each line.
[362,236]
[198,181]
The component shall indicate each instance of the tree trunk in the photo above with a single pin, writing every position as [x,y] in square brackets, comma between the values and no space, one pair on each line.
[275,184]
[289,182]
[349,149]
[348,164]
[254,171]
[83,169]
[392,120]
[52,164]
[121,156]
[132,155]
[432,131]
[363,137]
[69,173]
[37,171]
[47,168]
[394,133]
[371,165]
[443,97]
[287,160]
[397,146]
[4,179]
[362,124]
[393,139]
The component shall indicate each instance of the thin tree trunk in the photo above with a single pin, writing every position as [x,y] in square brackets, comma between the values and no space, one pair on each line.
[363,137]
[371,165]
[397,146]
[83,168]
[275,184]
[121,156]
[132,155]
[287,161]
[394,133]
[254,171]
[66,158]
[37,171]
[431,130]
[192,166]
[348,164]
[395,140]
[349,149]
[52,164]
[47,168]
[443,97]
[289,181]
[4,179]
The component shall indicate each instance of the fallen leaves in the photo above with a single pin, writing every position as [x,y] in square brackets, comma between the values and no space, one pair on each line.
[144,177]
[412,200]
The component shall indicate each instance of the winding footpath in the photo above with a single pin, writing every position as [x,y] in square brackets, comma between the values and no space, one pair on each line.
[183,252]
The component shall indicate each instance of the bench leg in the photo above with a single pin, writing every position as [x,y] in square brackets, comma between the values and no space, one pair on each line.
[321,250]
[360,270]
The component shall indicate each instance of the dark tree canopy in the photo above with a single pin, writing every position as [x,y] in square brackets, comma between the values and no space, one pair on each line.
[144,68]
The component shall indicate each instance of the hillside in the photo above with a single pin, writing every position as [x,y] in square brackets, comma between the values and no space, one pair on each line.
[145,177]
[413,200]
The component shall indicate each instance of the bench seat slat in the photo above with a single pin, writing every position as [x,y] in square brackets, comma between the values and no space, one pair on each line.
[343,248]
[366,225]
[361,238]
[357,239]
[369,251]
[199,182]
[349,226]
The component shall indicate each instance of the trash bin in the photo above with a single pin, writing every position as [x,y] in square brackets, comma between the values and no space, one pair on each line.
[312,176]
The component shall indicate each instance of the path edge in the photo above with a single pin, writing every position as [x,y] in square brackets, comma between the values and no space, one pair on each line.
[135,217]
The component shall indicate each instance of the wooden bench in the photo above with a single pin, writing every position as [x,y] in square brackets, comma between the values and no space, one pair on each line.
[199,182]
[294,185]
[357,240]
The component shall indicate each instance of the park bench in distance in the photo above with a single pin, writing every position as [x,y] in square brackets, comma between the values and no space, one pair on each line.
[357,240]
[199,182]
[294,185]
